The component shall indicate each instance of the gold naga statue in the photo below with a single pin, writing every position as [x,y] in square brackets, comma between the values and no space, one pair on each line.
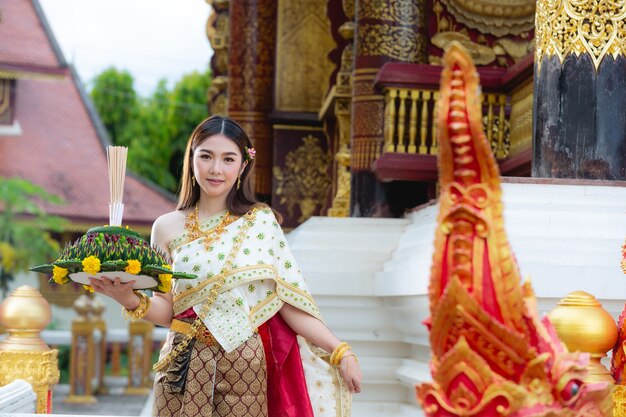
[491,353]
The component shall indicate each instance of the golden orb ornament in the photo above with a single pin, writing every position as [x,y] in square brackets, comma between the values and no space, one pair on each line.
[24,314]
[585,326]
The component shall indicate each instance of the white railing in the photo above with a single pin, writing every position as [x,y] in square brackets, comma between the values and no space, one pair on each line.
[17,397]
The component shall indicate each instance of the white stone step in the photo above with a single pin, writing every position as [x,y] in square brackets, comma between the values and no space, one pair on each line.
[338,265]
[348,254]
[384,409]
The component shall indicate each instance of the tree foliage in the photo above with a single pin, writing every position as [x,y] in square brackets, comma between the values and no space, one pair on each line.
[25,228]
[116,102]
[155,128]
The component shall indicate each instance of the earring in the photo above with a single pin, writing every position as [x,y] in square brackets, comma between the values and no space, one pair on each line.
[239,182]
[193,180]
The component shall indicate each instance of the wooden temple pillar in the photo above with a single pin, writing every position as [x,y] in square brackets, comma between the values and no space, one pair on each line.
[580,90]
[251,78]
[386,31]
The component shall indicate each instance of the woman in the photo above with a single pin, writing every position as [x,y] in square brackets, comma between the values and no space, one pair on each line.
[228,353]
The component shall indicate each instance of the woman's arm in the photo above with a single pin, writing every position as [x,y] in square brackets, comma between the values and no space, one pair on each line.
[317,333]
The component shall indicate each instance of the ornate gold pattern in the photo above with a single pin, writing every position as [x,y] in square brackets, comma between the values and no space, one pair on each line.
[302,26]
[492,355]
[304,180]
[404,44]
[592,27]
[40,369]
[497,17]
[404,12]
[218,33]
[521,136]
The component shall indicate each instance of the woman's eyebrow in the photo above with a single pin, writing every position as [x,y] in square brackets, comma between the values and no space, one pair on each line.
[211,152]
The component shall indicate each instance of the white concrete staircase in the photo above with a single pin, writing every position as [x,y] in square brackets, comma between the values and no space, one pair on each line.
[339,259]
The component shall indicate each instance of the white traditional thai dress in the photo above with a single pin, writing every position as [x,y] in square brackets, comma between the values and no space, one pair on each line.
[258,274]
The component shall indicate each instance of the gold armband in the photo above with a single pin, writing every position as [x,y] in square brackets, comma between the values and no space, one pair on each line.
[140,311]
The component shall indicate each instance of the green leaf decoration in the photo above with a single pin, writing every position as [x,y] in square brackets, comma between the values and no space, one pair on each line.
[113,266]
[44,269]
[69,264]
[154,269]
[115,230]
[182,275]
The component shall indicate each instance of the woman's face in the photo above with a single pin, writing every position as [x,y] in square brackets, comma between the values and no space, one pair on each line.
[217,162]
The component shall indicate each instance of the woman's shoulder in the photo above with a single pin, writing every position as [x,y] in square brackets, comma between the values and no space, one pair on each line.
[168,226]
[173,218]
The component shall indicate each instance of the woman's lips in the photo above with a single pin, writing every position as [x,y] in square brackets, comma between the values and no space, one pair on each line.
[215,181]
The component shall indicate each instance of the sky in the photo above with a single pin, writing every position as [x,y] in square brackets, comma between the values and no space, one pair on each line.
[152,39]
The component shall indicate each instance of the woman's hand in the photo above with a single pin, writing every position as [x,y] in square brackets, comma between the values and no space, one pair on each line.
[117,290]
[351,372]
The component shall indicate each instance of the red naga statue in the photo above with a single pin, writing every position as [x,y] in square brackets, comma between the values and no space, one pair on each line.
[491,354]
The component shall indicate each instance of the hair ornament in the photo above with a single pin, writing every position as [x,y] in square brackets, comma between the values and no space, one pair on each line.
[250,153]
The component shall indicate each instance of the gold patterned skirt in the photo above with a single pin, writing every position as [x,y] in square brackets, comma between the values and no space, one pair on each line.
[216,383]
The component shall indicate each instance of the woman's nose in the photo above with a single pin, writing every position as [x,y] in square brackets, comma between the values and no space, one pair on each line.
[215,166]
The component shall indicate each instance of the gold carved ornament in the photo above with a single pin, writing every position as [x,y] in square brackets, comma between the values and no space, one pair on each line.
[592,27]
[496,17]
[402,43]
[304,180]
[302,26]
[404,12]
[491,354]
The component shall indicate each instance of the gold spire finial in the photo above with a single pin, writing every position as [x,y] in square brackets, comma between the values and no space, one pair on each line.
[24,314]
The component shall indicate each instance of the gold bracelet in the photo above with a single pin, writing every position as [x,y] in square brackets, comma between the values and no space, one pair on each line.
[334,354]
[351,354]
[340,350]
[140,311]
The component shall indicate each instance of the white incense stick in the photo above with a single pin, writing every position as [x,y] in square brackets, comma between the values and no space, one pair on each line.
[116,158]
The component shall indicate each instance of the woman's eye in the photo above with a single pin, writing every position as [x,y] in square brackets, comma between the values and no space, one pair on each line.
[205,157]
[229,160]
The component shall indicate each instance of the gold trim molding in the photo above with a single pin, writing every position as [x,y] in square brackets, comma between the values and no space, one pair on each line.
[593,27]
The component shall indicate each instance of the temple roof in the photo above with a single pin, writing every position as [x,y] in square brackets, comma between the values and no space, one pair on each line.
[62,143]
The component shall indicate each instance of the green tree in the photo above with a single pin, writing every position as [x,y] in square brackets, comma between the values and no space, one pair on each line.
[156,128]
[188,106]
[116,101]
[25,228]
[150,152]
